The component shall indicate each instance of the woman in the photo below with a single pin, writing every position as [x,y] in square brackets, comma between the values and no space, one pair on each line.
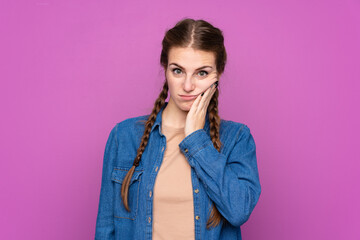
[180,172]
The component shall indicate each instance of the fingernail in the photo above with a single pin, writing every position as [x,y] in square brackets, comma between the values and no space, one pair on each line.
[202,94]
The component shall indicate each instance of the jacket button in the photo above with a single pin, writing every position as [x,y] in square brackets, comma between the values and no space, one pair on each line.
[149,219]
[150,193]
[186,150]
[197,217]
[196,190]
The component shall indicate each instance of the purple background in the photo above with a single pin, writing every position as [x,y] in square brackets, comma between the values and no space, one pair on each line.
[70,70]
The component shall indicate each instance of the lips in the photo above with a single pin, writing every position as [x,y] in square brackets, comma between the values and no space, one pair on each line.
[188,97]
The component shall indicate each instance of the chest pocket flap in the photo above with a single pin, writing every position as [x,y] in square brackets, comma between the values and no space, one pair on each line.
[119,174]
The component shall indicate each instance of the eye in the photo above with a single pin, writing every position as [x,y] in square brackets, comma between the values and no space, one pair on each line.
[175,70]
[206,73]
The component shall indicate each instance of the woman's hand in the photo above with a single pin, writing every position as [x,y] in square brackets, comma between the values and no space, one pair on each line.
[195,118]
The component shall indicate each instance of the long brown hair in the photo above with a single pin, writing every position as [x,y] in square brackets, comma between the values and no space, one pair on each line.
[200,35]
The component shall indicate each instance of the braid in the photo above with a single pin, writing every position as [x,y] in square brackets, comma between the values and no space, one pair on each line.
[159,103]
[214,120]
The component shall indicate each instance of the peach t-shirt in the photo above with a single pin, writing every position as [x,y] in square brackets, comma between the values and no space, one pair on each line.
[173,206]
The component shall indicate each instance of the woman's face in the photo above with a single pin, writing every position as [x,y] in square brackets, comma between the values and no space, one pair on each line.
[190,72]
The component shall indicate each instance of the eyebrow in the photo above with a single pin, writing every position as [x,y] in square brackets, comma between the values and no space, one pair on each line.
[195,69]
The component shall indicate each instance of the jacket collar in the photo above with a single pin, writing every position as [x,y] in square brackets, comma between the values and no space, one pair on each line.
[158,120]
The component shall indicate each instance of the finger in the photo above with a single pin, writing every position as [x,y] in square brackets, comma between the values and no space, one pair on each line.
[195,104]
[208,99]
[204,103]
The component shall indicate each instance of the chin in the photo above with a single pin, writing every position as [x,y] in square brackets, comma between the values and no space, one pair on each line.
[185,106]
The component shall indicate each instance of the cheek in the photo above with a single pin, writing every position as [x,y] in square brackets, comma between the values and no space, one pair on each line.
[173,82]
[173,88]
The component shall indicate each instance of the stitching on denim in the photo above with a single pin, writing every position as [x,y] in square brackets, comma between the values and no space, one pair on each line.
[199,149]
[200,218]
[133,179]
[116,130]
[136,171]
[123,217]
[126,169]
[137,199]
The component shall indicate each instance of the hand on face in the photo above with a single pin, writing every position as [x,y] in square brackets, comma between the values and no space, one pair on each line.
[195,118]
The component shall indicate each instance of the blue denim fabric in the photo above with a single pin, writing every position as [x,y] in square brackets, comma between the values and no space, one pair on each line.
[229,179]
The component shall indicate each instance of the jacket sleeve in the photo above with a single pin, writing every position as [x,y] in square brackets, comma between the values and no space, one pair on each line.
[232,182]
[105,218]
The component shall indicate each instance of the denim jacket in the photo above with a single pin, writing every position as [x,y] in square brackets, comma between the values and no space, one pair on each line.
[229,179]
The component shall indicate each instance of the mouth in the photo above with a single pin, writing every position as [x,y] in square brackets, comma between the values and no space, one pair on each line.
[188,97]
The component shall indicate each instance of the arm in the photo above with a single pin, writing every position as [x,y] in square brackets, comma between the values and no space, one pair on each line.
[231,183]
[105,218]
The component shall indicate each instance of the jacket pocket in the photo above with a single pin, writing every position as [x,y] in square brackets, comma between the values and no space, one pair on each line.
[118,175]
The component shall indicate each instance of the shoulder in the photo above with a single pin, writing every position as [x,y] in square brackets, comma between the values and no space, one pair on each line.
[130,128]
[232,132]
[132,122]
[233,128]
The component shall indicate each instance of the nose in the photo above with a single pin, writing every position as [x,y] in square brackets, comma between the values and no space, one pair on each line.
[189,84]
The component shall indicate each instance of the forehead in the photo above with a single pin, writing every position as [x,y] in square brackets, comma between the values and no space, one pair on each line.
[190,57]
